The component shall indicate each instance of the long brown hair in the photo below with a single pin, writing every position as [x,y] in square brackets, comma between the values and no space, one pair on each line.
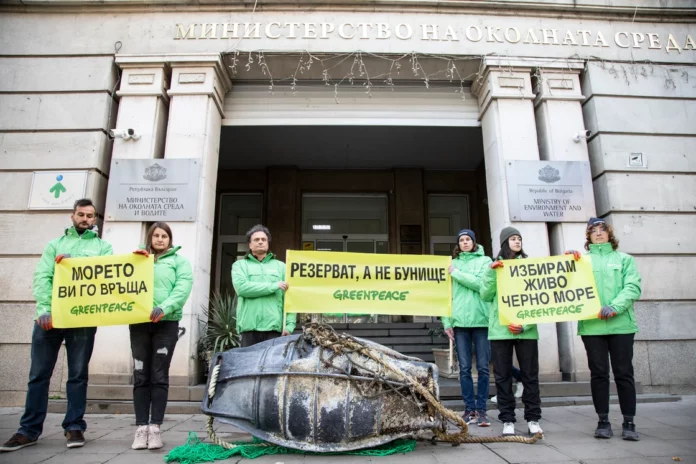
[612,238]
[158,225]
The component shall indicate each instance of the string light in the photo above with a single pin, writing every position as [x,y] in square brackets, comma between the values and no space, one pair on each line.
[359,70]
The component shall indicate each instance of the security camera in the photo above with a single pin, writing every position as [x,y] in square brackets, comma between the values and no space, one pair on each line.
[584,135]
[125,134]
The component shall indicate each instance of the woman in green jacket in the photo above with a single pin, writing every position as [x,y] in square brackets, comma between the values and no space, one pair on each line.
[610,336]
[152,343]
[522,338]
[468,326]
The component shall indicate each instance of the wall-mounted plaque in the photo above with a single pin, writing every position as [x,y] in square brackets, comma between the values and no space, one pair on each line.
[550,191]
[151,190]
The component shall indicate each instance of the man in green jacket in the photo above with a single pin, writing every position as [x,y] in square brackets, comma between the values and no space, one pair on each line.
[79,241]
[611,335]
[259,280]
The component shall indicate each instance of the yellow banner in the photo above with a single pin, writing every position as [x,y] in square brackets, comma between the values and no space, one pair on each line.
[554,289]
[362,283]
[106,290]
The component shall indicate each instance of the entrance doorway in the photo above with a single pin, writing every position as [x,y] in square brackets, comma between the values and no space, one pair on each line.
[349,223]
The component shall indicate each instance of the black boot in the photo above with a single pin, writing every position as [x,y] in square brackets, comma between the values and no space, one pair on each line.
[629,432]
[603,429]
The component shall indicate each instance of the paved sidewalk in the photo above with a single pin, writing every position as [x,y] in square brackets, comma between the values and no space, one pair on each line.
[668,430]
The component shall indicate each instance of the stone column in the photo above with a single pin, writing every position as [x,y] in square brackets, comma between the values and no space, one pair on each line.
[558,118]
[143,106]
[199,84]
[505,99]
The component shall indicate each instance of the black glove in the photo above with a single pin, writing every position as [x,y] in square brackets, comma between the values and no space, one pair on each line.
[156,315]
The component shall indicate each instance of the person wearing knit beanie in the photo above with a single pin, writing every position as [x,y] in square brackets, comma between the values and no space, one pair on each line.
[508,232]
[506,339]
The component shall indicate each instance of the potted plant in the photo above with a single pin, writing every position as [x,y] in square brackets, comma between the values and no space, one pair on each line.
[219,327]
[447,369]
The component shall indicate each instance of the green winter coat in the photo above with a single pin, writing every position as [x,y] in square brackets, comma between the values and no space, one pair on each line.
[496,331]
[259,300]
[173,283]
[618,285]
[468,309]
[86,245]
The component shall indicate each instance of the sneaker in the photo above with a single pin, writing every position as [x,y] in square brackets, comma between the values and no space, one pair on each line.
[508,429]
[18,441]
[603,430]
[469,416]
[140,441]
[534,428]
[629,432]
[482,419]
[518,390]
[76,439]
[154,437]
[494,399]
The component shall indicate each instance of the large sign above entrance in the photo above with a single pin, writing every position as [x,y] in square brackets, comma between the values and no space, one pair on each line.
[153,190]
[439,31]
[549,191]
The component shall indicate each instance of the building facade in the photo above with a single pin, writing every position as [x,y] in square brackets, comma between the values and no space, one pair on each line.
[379,128]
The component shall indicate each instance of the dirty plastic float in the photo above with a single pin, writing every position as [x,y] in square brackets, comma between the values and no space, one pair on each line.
[325,392]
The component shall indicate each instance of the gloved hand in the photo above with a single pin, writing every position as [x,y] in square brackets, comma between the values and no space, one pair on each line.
[607,312]
[45,321]
[59,258]
[576,254]
[156,315]
[141,252]
[516,329]
[496,264]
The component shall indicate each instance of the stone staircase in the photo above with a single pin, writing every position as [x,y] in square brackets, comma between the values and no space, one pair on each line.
[413,339]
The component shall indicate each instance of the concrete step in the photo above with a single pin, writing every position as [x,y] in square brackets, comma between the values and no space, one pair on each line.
[125,392]
[450,389]
[555,401]
[194,407]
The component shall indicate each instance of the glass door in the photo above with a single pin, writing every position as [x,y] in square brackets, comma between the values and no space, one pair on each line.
[345,223]
[238,213]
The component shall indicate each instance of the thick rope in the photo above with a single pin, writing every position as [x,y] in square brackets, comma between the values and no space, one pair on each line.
[327,338]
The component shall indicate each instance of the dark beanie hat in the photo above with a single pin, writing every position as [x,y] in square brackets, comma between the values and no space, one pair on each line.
[595,221]
[508,232]
[468,232]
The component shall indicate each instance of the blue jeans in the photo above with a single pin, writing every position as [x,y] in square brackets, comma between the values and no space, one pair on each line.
[45,345]
[464,339]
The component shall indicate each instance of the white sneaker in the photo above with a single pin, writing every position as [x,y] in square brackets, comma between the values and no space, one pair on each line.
[534,428]
[154,437]
[494,399]
[508,429]
[518,390]
[140,441]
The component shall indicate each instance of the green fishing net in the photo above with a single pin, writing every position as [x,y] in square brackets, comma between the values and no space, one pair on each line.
[195,451]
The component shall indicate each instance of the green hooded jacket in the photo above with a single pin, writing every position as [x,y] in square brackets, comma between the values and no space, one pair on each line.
[618,285]
[468,309]
[496,331]
[259,300]
[86,245]
[173,283]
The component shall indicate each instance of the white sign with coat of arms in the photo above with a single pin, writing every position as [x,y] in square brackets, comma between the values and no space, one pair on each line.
[550,191]
[148,190]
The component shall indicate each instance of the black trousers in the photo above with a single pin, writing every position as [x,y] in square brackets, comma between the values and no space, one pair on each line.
[153,347]
[253,337]
[528,359]
[600,348]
